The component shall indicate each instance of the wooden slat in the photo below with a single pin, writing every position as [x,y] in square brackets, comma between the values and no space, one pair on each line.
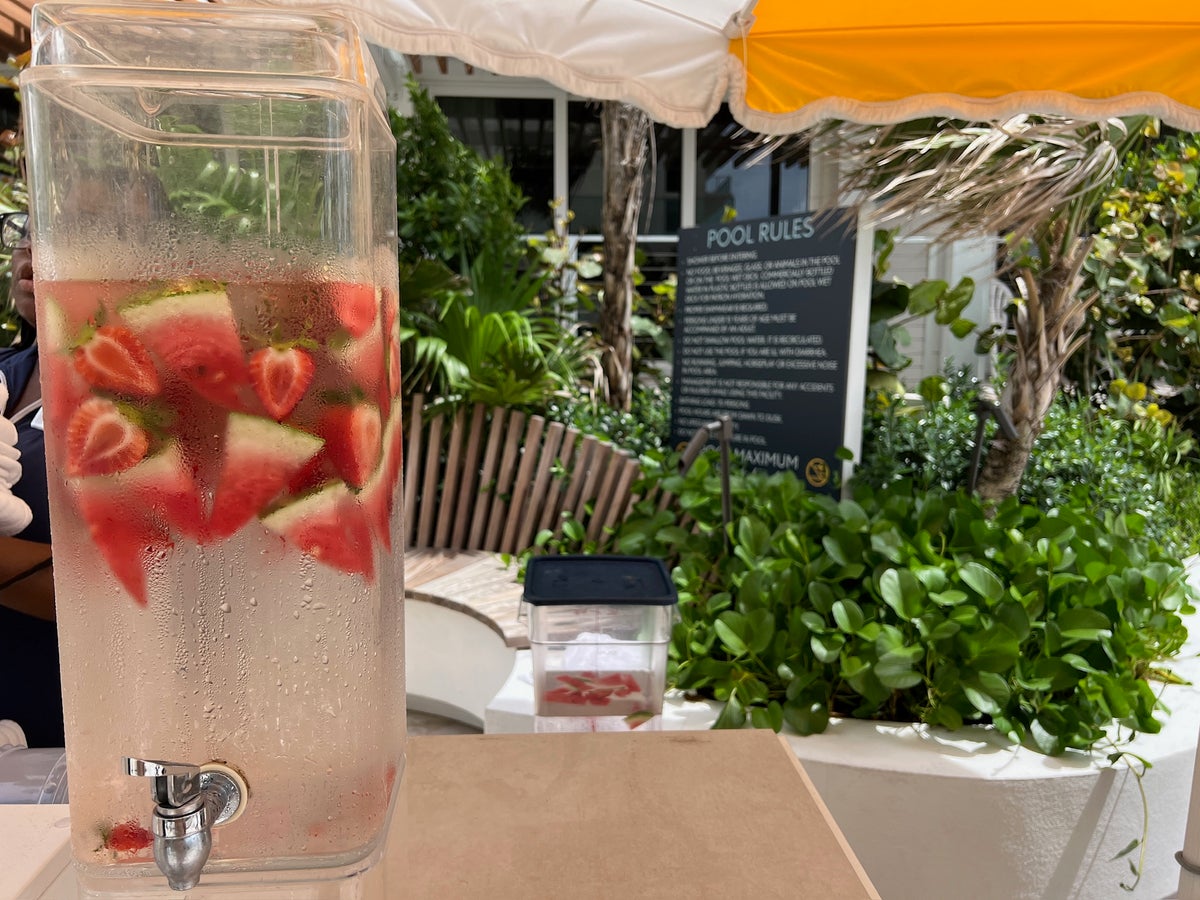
[620,496]
[541,484]
[583,459]
[450,477]
[520,493]
[487,474]
[468,497]
[591,479]
[508,466]
[413,454]
[555,490]
[604,493]
[429,485]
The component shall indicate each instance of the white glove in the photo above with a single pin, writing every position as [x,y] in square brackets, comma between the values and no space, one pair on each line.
[15,514]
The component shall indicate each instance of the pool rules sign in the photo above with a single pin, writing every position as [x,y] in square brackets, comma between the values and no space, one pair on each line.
[771,328]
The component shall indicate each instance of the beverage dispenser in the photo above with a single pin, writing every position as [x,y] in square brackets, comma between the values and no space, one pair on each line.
[214,236]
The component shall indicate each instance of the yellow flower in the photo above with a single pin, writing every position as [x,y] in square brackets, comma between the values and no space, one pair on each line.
[1117,386]
[1135,391]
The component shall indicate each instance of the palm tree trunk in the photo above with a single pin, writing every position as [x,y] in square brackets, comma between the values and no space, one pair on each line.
[626,134]
[1048,326]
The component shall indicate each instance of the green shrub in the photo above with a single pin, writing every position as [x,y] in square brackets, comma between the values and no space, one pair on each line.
[913,605]
[1116,458]
[642,430]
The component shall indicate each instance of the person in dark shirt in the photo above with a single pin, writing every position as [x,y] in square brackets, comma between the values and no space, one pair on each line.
[30,686]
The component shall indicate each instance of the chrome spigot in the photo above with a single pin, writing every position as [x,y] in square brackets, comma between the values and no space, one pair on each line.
[189,802]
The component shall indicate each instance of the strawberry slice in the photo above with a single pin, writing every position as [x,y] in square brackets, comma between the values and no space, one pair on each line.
[355,305]
[113,359]
[260,458]
[196,337]
[330,527]
[280,376]
[353,437]
[124,532]
[101,439]
[128,837]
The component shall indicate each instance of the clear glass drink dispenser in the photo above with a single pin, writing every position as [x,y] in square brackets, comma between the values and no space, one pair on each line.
[213,202]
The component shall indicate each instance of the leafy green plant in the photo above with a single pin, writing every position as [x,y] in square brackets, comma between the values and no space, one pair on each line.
[1144,271]
[642,430]
[452,203]
[1118,457]
[14,197]
[896,304]
[914,606]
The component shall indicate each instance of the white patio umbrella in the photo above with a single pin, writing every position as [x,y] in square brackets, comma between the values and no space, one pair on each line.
[782,65]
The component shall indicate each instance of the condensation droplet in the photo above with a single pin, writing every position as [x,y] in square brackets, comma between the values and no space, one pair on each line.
[253,601]
[225,607]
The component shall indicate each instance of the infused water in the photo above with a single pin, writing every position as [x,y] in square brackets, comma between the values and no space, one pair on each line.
[224,455]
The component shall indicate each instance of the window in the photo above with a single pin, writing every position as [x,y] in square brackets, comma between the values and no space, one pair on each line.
[725,177]
[660,212]
[519,131]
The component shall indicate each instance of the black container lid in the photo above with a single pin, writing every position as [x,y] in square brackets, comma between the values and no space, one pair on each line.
[588,580]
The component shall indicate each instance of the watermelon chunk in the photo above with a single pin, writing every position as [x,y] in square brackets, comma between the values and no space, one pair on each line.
[65,389]
[352,434]
[196,337]
[165,484]
[378,495]
[329,526]
[124,531]
[355,305]
[260,458]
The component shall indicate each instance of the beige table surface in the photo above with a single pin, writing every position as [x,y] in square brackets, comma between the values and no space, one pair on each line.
[656,815]
[697,815]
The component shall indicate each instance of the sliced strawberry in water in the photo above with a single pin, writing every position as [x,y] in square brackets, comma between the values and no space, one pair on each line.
[126,535]
[128,837]
[353,439]
[355,305]
[102,439]
[113,359]
[196,337]
[280,376]
[330,527]
[260,458]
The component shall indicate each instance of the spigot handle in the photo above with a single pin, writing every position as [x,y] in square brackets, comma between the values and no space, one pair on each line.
[175,784]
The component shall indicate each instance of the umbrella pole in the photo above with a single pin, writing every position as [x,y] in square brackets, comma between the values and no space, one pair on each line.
[1189,856]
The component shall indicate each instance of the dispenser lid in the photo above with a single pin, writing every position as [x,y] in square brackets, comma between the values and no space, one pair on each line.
[593,580]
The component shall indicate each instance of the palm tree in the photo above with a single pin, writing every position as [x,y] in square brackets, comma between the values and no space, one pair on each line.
[1036,182]
[626,131]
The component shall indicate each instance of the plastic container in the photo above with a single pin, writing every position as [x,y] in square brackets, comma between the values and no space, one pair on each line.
[213,193]
[598,628]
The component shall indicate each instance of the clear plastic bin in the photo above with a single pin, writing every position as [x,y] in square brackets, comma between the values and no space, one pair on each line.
[599,628]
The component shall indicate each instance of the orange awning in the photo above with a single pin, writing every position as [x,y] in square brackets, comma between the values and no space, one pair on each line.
[877,62]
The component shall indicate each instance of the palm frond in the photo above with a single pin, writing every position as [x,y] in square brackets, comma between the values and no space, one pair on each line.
[1004,178]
